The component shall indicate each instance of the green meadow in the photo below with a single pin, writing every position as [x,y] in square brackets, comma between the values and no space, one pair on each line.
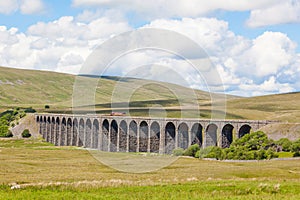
[44,171]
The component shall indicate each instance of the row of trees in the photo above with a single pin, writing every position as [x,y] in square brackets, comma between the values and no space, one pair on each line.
[253,146]
[10,118]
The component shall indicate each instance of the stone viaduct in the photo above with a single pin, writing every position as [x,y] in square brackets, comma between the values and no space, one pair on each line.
[138,134]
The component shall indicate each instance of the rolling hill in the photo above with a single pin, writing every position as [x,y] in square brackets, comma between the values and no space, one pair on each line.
[32,88]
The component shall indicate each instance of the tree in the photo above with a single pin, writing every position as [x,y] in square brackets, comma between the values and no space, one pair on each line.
[26,133]
[285,144]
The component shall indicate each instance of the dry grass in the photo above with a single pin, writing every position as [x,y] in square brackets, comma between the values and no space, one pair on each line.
[35,170]
[35,162]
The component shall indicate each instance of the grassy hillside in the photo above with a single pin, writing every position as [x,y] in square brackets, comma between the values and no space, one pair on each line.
[25,88]
[282,107]
[33,88]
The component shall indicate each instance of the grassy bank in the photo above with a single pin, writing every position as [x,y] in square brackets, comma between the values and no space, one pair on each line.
[43,170]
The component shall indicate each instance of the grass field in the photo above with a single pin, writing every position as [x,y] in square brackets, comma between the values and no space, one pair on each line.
[44,171]
[25,88]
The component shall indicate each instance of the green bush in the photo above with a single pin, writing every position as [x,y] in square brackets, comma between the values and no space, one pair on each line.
[297,154]
[29,110]
[178,152]
[216,152]
[26,134]
[285,144]
[204,152]
[191,150]
[5,132]
[9,134]
[22,114]
[253,146]
[197,154]
[296,148]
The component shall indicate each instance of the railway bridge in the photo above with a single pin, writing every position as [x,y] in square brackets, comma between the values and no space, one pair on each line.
[140,134]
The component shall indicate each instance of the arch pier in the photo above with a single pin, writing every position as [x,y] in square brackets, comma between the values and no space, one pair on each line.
[139,134]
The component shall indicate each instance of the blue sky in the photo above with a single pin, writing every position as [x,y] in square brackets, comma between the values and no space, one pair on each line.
[255,45]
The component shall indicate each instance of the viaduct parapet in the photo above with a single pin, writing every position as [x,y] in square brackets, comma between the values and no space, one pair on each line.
[139,134]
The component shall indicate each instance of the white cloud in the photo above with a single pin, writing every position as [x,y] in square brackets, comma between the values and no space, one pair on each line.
[182,8]
[266,64]
[25,6]
[268,53]
[262,12]
[32,6]
[241,61]
[60,45]
[269,86]
[7,7]
[284,12]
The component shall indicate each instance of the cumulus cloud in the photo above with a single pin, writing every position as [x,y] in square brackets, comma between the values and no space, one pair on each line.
[31,6]
[266,64]
[7,7]
[25,6]
[262,12]
[283,12]
[268,54]
[60,45]
[247,67]
[182,8]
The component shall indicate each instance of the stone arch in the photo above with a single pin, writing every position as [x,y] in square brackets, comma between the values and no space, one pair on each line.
[69,132]
[183,135]
[95,136]
[105,135]
[113,136]
[81,132]
[196,134]
[211,135]
[88,133]
[227,135]
[132,136]
[154,137]
[245,129]
[123,136]
[48,128]
[143,137]
[57,131]
[75,133]
[170,134]
[52,130]
[63,132]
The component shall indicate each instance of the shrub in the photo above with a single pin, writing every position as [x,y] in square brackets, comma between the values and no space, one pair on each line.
[197,154]
[9,134]
[216,152]
[253,146]
[26,134]
[3,130]
[285,143]
[192,150]
[178,152]
[297,154]
[29,110]
[204,152]
[296,148]
[47,106]
[22,114]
